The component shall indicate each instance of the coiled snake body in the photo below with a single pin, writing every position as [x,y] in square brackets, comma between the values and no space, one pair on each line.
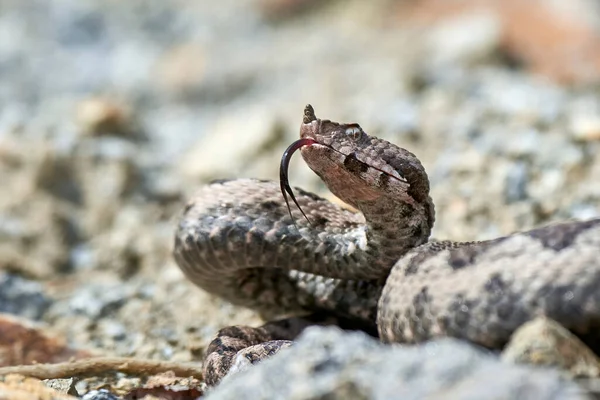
[374,268]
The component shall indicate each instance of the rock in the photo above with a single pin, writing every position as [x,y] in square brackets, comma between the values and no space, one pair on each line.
[545,342]
[17,387]
[97,116]
[280,9]
[327,363]
[101,394]
[98,300]
[586,128]
[232,144]
[22,297]
[466,39]
[66,386]
[516,182]
[112,329]
[584,211]
[22,342]
[182,69]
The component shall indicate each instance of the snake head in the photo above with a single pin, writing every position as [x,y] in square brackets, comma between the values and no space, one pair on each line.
[359,168]
[325,130]
[368,173]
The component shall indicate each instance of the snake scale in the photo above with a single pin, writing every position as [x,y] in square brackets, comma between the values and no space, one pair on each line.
[374,268]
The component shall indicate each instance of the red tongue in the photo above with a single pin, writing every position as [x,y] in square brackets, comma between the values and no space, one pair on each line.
[283,174]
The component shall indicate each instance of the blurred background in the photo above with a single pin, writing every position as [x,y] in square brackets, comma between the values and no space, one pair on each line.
[113,112]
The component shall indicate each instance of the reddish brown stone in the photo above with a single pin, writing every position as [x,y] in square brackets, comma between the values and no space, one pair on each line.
[22,342]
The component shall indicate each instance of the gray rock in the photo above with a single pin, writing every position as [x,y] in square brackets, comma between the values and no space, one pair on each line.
[467,39]
[65,386]
[327,363]
[516,182]
[96,301]
[101,394]
[22,297]
[113,329]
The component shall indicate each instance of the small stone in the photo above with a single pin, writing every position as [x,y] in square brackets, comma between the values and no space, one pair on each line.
[22,297]
[96,301]
[66,386]
[165,189]
[232,144]
[545,342]
[182,68]
[584,211]
[101,394]
[23,342]
[113,329]
[98,116]
[527,145]
[279,9]
[467,38]
[82,257]
[586,128]
[11,227]
[516,182]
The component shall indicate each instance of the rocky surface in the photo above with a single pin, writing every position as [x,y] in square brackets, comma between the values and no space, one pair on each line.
[325,363]
[112,113]
[22,297]
[14,387]
[545,342]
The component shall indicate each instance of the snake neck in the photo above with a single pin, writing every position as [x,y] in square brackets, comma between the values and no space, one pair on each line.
[394,227]
[368,250]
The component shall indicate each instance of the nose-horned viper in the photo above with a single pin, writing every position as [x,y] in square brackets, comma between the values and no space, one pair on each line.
[374,269]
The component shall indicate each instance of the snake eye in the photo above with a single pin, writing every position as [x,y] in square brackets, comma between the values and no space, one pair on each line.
[354,132]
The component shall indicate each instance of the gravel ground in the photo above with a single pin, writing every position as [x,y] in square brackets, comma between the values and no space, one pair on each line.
[112,113]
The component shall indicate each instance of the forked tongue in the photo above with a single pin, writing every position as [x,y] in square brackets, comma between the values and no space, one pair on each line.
[283,175]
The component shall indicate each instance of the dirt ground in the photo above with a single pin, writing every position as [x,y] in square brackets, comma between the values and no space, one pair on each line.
[113,113]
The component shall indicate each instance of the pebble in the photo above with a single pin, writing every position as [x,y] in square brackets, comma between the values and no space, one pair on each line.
[101,394]
[586,128]
[98,116]
[465,39]
[182,69]
[280,9]
[96,301]
[516,182]
[11,227]
[113,329]
[545,342]
[233,142]
[22,297]
[66,386]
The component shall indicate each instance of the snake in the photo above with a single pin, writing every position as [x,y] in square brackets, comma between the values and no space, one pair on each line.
[374,267]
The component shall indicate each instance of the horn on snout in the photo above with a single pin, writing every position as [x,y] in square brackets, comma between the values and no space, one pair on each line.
[309,114]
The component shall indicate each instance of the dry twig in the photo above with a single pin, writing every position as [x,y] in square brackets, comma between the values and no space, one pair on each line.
[103,365]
